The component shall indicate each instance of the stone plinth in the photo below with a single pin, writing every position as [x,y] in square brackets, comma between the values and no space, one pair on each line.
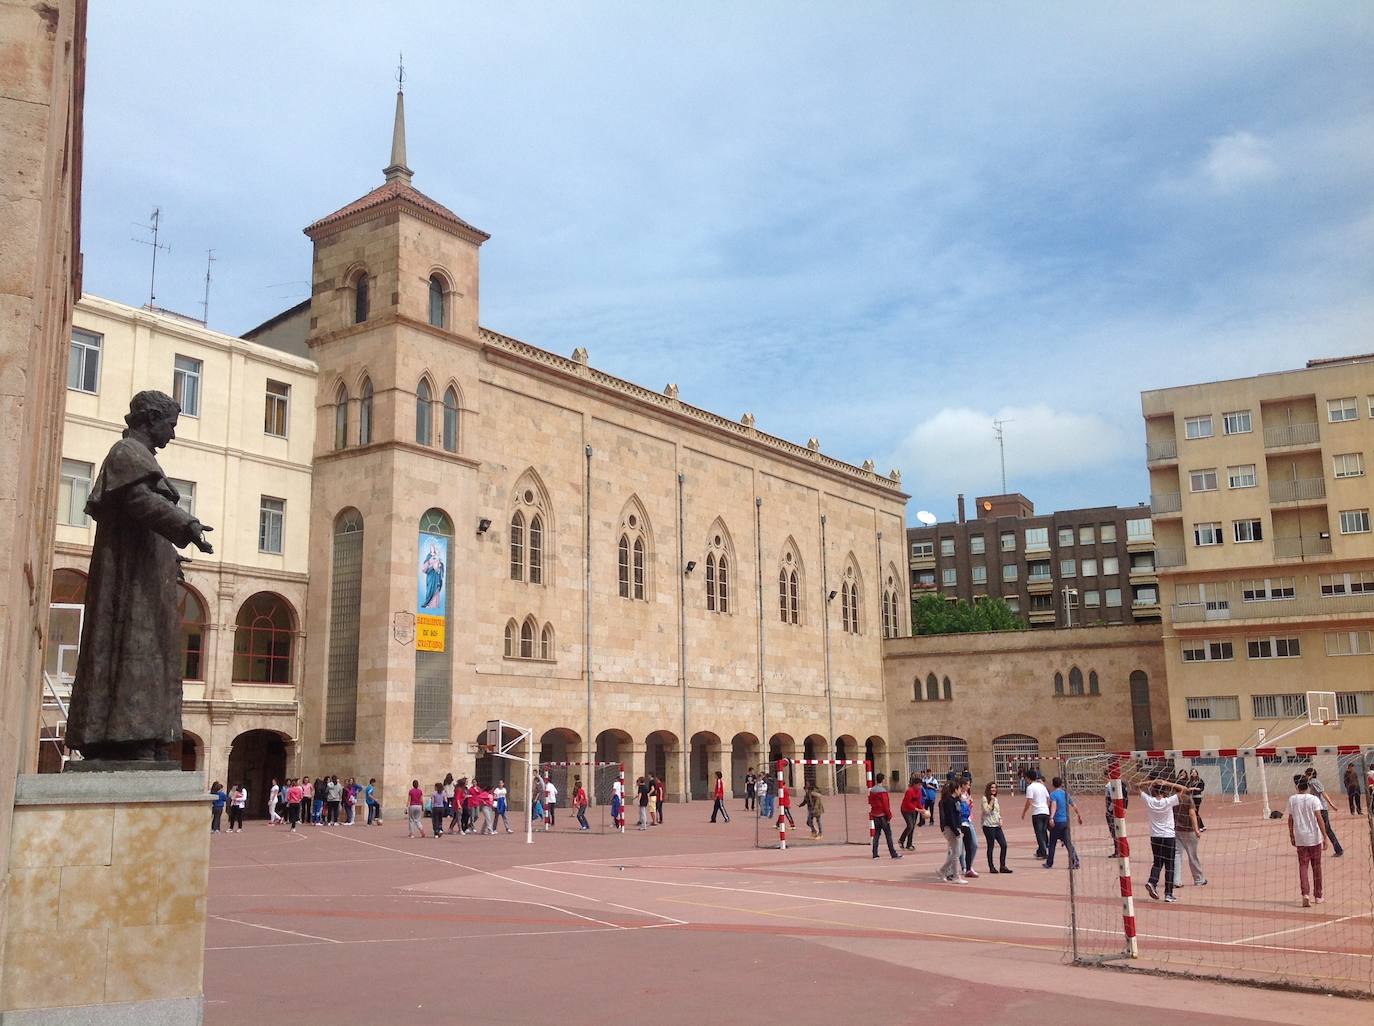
[107,882]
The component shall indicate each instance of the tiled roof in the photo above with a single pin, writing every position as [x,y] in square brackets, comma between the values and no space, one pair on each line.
[399,190]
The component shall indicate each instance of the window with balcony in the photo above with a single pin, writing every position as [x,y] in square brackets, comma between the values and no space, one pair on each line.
[1008,541]
[1202,480]
[1037,539]
[1348,464]
[925,579]
[1247,530]
[1354,521]
[1089,567]
[1145,595]
[1241,476]
[1066,537]
[1142,563]
[1215,707]
[1237,422]
[1273,648]
[976,545]
[980,574]
[1107,533]
[1198,427]
[1041,603]
[1140,530]
[1206,534]
[923,550]
[1087,535]
[1348,643]
[1339,410]
[1208,651]
[1038,571]
[1009,572]
[1267,589]
[1068,568]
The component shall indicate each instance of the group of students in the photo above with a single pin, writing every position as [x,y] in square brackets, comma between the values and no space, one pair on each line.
[468,807]
[953,809]
[235,800]
[323,802]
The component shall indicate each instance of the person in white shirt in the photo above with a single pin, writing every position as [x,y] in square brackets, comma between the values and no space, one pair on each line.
[1307,833]
[550,801]
[1038,805]
[272,798]
[1161,797]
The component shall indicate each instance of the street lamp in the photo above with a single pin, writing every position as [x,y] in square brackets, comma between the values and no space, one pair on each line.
[1069,595]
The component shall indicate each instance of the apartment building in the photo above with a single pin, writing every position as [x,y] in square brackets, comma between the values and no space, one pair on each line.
[1261,515]
[1072,567]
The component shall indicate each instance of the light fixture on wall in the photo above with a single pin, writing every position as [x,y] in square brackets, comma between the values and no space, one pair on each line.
[831,596]
[483,525]
[691,565]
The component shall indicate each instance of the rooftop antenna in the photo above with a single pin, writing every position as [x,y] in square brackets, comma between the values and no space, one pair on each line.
[400,72]
[205,303]
[1000,435]
[154,226]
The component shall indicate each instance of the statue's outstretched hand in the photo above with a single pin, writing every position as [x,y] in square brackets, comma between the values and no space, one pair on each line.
[199,539]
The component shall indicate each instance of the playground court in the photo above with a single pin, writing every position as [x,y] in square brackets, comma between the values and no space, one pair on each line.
[690,922]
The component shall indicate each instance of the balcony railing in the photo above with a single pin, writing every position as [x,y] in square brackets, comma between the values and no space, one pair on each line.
[1304,488]
[1293,548]
[1038,579]
[1168,556]
[1165,502]
[1278,435]
[1303,605]
[1164,450]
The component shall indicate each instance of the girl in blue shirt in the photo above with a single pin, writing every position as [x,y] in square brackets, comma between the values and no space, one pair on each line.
[217,809]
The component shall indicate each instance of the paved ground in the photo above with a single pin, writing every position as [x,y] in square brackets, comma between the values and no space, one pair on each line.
[690,922]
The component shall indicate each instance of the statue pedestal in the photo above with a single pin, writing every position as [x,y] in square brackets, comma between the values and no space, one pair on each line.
[107,882]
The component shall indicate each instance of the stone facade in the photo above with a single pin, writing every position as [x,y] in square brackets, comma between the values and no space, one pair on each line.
[41,100]
[1025,696]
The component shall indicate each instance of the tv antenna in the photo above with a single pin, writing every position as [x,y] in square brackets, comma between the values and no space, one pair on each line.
[154,226]
[1001,437]
[205,303]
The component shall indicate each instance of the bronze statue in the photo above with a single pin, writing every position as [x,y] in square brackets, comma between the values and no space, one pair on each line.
[126,698]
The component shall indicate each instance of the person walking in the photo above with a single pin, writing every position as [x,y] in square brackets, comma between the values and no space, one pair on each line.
[968,838]
[617,807]
[579,800]
[1308,833]
[719,795]
[765,806]
[1314,786]
[749,789]
[1161,797]
[499,804]
[1038,805]
[950,826]
[437,809]
[295,798]
[273,797]
[1060,804]
[930,796]
[220,799]
[642,792]
[912,811]
[817,814]
[1352,789]
[415,810]
[238,801]
[992,827]
[880,812]
[453,802]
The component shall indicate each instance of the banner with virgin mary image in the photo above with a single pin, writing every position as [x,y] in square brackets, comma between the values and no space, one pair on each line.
[431,599]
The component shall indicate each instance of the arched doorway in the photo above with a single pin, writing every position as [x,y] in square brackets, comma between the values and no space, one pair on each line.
[661,760]
[561,744]
[705,758]
[781,746]
[1142,722]
[1082,767]
[264,636]
[1011,753]
[612,745]
[875,751]
[744,753]
[814,747]
[848,779]
[936,753]
[255,759]
[192,747]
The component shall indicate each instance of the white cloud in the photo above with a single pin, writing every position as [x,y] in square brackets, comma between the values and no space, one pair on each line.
[1237,160]
[954,450]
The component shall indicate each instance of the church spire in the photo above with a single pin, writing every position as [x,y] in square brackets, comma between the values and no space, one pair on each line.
[397,169]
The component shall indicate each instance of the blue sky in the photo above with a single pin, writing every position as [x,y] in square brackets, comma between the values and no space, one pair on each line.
[881,224]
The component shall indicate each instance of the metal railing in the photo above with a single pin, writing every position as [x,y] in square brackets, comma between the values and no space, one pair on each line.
[1297,491]
[1279,435]
[1168,556]
[1293,548]
[1302,605]
[1166,502]
[1163,450]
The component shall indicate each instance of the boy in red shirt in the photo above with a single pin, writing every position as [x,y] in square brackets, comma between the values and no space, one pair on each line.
[880,811]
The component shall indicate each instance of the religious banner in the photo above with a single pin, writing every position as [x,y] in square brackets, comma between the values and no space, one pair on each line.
[431,595]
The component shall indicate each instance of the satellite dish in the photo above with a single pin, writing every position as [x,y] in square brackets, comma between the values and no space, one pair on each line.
[928,518]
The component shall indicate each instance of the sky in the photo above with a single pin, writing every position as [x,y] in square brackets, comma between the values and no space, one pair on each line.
[884,225]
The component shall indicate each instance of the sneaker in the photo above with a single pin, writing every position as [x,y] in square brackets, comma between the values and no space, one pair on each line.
[1200,883]
[1151,889]
[1004,869]
[896,855]
[875,855]
[1170,897]
[1047,865]
[991,870]
[1320,901]
[958,880]
[973,873]
[1306,901]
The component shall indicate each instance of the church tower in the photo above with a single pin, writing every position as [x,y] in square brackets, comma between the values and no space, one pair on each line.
[393,328]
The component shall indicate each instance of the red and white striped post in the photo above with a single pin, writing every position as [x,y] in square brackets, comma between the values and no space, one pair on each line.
[1123,857]
[621,822]
[782,813]
[868,779]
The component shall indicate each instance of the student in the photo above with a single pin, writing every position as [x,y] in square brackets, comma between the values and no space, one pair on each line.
[1352,789]
[642,792]
[950,820]
[537,804]
[499,804]
[1308,833]
[763,802]
[911,809]
[350,800]
[659,790]
[437,808]
[1186,834]
[1161,797]
[930,796]
[817,814]
[1314,786]
[453,802]
[295,796]
[217,806]
[483,808]
[415,810]
[880,812]
[719,805]
[238,800]
[1060,804]
[273,798]
[807,791]
[333,792]
[550,801]
[1196,785]
[970,840]
[617,808]
[579,800]
[374,807]
[308,797]
[749,789]
[1038,805]
[992,826]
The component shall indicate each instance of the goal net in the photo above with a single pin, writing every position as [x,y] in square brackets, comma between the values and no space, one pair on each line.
[1238,910]
[598,779]
[841,790]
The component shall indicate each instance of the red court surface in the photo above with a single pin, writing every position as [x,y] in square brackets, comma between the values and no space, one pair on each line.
[684,923]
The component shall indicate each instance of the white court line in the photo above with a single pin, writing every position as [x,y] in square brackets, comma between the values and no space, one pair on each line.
[1300,929]
[273,929]
[1060,927]
[410,940]
[524,883]
[288,865]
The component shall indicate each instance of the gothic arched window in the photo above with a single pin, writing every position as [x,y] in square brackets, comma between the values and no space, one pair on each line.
[424,413]
[436,301]
[365,413]
[450,431]
[341,417]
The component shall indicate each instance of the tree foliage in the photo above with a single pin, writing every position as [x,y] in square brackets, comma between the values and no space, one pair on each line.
[931,614]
